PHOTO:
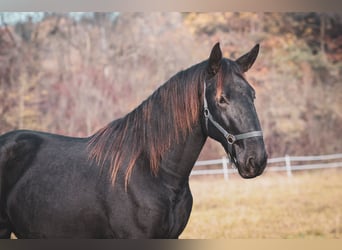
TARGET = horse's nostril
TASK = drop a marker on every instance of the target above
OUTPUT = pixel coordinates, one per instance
(250, 162)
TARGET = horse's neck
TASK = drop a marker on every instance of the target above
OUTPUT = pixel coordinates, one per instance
(177, 164)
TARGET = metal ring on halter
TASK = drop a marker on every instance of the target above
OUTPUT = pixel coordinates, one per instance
(206, 112)
(231, 138)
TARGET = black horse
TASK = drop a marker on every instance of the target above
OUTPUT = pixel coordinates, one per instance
(131, 178)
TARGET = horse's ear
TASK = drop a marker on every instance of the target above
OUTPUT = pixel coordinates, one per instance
(215, 59)
(246, 61)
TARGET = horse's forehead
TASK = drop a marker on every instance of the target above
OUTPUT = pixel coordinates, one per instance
(230, 68)
(233, 78)
(231, 73)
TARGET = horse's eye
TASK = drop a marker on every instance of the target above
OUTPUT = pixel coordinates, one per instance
(223, 99)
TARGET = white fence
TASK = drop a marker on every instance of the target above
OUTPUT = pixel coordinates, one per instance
(286, 164)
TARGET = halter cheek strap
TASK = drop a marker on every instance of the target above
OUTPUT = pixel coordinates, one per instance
(231, 139)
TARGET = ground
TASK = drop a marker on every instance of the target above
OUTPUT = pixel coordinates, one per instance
(306, 205)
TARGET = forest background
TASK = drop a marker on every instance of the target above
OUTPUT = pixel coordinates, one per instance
(72, 76)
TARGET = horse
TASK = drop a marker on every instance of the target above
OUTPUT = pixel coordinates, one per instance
(131, 178)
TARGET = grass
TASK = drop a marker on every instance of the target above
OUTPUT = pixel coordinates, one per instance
(307, 205)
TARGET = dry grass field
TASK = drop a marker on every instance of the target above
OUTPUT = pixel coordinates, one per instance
(307, 205)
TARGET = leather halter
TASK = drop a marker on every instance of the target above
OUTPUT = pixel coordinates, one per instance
(231, 139)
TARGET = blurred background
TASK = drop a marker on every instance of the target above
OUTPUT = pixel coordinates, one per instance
(72, 73)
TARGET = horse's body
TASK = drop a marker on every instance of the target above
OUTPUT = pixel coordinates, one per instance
(51, 190)
(130, 179)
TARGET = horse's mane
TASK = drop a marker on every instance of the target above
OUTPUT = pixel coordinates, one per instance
(166, 117)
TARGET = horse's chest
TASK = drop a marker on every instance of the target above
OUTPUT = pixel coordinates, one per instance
(153, 217)
(180, 213)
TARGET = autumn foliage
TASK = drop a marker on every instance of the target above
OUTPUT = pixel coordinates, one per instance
(73, 77)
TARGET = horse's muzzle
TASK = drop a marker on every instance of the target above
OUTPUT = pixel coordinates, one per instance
(253, 166)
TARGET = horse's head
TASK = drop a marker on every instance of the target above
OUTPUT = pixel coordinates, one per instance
(229, 113)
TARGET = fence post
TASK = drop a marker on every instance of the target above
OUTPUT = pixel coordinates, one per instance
(225, 168)
(288, 165)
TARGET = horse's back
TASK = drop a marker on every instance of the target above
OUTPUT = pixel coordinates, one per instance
(24, 150)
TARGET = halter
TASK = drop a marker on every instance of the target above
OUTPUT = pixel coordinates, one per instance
(231, 139)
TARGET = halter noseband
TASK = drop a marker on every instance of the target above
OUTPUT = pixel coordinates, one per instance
(231, 139)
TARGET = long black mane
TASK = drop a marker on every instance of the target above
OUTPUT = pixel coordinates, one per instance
(164, 118)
